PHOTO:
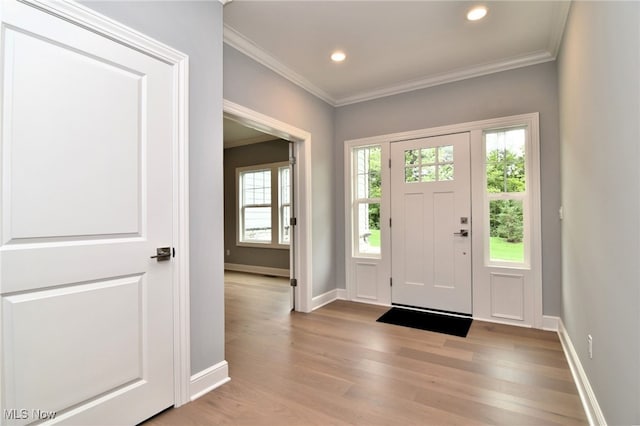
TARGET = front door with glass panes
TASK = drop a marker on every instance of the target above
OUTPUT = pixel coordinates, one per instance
(431, 229)
(410, 217)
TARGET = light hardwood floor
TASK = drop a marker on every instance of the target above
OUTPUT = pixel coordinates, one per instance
(337, 365)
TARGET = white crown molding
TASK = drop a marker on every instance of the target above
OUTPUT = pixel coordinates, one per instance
(225, 1)
(239, 42)
(557, 28)
(449, 77)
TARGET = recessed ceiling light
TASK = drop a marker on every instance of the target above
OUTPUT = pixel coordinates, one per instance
(338, 56)
(477, 13)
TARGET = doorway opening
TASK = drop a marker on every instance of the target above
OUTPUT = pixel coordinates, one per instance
(271, 211)
(257, 202)
(441, 254)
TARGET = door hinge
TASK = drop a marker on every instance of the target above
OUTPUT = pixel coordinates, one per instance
(294, 282)
(389, 162)
(293, 221)
(390, 282)
(173, 251)
(292, 161)
(389, 222)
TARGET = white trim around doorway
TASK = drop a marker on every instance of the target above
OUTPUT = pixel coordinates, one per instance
(481, 290)
(303, 204)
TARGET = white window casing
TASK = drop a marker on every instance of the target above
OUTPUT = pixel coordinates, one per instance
(258, 189)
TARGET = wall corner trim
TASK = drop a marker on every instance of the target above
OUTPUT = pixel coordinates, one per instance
(342, 294)
(587, 396)
(208, 380)
(324, 299)
(550, 323)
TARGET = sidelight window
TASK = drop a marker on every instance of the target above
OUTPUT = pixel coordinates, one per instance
(366, 200)
(507, 195)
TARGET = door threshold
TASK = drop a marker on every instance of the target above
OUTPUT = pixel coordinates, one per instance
(432, 311)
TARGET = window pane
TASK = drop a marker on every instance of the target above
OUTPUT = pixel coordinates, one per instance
(505, 160)
(428, 156)
(411, 156)
(368, 222)
(256, 187)
(445, 154)
(506, 230)
(428, 174)
(445, 172)
(257, 224)
(285, 228)
(368, 172)
(411, 174)
(284, 212)
(285, 185)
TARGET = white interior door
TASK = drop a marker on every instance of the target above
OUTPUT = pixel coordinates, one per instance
(86, 182)
(431, 223)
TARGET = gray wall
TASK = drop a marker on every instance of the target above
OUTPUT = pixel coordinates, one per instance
(249, 155)
(195, 28)
(599, 74)
(524, 90)
(256, 87)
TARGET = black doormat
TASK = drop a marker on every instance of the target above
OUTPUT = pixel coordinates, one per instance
(456, 326)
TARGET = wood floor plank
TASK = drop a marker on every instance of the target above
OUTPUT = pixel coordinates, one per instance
(338, 366)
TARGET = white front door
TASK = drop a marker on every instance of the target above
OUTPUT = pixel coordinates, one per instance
(431, 223)
(86, 182)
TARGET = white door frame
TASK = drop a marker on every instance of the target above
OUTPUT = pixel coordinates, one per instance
(302, 195)
(87, 18)
(481, 300)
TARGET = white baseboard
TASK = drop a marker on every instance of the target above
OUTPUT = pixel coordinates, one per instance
(208, 379)
(501, 321)
(252, 269)
(588, 398)
(550, 323)
(342, 294)
(324, 299)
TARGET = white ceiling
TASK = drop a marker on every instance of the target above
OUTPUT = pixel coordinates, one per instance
(391, 46)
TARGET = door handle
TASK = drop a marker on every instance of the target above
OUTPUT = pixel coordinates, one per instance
(162, 253)
(462, 233)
